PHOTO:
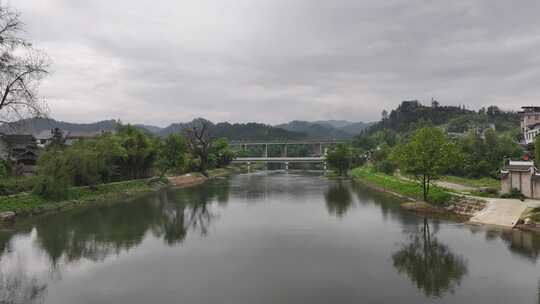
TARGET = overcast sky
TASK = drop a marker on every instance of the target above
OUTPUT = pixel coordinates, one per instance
(163, 61)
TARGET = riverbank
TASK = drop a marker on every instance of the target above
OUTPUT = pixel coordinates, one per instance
(442, 200)
(193, 179)
(403, 188)
(28, 204)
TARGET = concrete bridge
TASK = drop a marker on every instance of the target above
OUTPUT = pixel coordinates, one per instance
(282, 160)
(319, 147)
(319, 144)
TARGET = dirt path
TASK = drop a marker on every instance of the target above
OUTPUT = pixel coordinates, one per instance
(454, 186)
(445, 184)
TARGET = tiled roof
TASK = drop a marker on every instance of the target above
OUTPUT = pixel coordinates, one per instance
(19, 139)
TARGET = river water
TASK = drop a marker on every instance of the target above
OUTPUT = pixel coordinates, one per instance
(268, 237)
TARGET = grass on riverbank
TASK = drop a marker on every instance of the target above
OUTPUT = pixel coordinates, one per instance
(395, 184)
(27, 202)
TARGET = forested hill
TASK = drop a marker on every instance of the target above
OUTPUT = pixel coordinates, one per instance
(239, 131)
(293, 130)
(410, 114)
(326, 128)
(231, 131)
(36, 125)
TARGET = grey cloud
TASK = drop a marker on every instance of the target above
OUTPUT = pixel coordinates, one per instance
(277, 60)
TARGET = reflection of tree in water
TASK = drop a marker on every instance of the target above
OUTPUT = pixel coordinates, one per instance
(338, 199)
(389, 205)
(94, 233)
(429, 264)
(189, 209)
(18, 288)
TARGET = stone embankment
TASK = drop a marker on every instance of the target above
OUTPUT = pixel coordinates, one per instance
(462, 205)
(467, 206)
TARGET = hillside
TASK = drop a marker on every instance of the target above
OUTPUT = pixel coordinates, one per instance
(36, 125)
(341, 129)
(239, 131)
(356, 128)
(410, 114)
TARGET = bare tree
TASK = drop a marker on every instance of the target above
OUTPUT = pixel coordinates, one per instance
(22, 67)
(199, 141)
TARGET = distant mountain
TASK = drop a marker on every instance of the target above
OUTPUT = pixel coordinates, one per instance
(239, 131)
(37, 125)
(340, 129)
(334, 123)
(356, 128)
(314, 130)
(150, 128)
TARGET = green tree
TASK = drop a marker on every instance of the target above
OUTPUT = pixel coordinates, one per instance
(53, 178)
(341, 158)
(426, 156)
(172, 154)
(141, 152)
(221, 154)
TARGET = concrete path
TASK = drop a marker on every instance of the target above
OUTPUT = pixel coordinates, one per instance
(502, 212)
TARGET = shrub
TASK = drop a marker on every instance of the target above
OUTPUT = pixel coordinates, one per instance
(514, 193)
(386, 167)
(439, 197)
(51, 188)
(9, 186)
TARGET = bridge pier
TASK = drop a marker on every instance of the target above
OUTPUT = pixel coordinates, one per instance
(284, 151)
(286, 165)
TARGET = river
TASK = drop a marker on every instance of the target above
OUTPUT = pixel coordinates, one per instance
(268, 237)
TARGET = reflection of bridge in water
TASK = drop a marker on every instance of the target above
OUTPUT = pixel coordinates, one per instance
(319, 147)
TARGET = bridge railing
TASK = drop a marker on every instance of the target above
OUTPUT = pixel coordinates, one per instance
(287, 141)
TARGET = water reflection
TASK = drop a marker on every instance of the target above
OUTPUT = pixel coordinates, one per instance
(16, 287)
(526, 244)
(270, 238)
(98, 232)
(338, 199)
(429, 264)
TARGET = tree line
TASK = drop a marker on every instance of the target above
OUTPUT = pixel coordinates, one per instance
(422, 143)
(129, 153)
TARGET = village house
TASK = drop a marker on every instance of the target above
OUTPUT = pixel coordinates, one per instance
(45, 137)
(22, 150)
(72, 137)
(530, 124)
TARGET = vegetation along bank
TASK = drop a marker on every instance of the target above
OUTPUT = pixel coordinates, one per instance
(119, 164)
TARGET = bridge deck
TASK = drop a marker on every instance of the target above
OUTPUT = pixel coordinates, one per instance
(285, 142)
(280, 159)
